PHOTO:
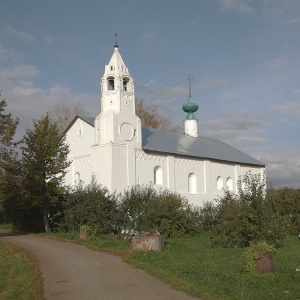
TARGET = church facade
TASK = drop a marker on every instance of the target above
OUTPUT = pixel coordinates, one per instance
(114, 150)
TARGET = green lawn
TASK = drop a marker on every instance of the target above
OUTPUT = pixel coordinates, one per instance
(192, 265)
(19, 274)
(215, 273)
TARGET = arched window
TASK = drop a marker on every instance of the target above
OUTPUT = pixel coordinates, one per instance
(125, 82)
(111, 68)
(220, 184)
(192, 183)
(229, 184)
(110, 83)
(158, 175)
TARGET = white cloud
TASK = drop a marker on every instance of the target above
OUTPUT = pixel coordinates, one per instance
(59, 90)
(241, 6)
(239, 93)
(166, 93)
(19, 34)
(274, 63)
(51, 39)
(296, 92)
(20, 72)
(27, 101)
(237, 127)
(235, 121)
(291, 108)
(274, 8)
(150, 34)
(210, 84)
(4, 54)
(293, 21)
(283, 167)
(7, 55)
(171, 93)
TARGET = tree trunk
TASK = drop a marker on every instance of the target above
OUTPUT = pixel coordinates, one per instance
(46, 221)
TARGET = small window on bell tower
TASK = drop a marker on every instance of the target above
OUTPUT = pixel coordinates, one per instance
(125, 83)
(110, 83)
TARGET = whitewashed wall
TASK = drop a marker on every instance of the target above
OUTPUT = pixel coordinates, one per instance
(176, 171)
(80, 137)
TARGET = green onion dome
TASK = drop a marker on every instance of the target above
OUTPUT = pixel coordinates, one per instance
(190, 107)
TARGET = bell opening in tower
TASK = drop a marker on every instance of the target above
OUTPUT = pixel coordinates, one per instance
(110, 83)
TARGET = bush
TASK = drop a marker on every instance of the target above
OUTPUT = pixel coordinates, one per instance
(247, 217)
(252, 253)
(92, 230)
(207, 215)
(144, 208)
(91, 206)
(171, 215)
(285, 202)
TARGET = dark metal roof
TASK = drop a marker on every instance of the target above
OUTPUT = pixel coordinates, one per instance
(89, 120)
(182, 144)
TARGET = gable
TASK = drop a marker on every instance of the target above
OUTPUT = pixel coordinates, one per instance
(80, 136)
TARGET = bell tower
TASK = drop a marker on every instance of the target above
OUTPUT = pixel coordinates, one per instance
(117, 122)
(118, 131)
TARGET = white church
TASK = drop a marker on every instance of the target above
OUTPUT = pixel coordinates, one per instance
(117, 152)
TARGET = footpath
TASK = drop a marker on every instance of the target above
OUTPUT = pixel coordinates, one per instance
(74, 272)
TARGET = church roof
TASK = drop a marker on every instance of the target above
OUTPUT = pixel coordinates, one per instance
(183, 144)
(88, 120)
(198, 147)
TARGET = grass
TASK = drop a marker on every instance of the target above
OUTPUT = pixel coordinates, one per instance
(105, 243)
(216, 273)
(6, 226)
(19, 274)
(192, 265)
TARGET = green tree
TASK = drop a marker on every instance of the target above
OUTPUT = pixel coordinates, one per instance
(44, 160)
(9, 166)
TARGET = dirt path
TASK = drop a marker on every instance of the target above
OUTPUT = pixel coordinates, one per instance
(74, 272)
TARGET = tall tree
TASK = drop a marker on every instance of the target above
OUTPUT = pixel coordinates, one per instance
(63, 112)
(8, 155)
(150, 117)
(44, 157)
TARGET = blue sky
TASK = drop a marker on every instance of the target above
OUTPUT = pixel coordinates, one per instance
(244, 56)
